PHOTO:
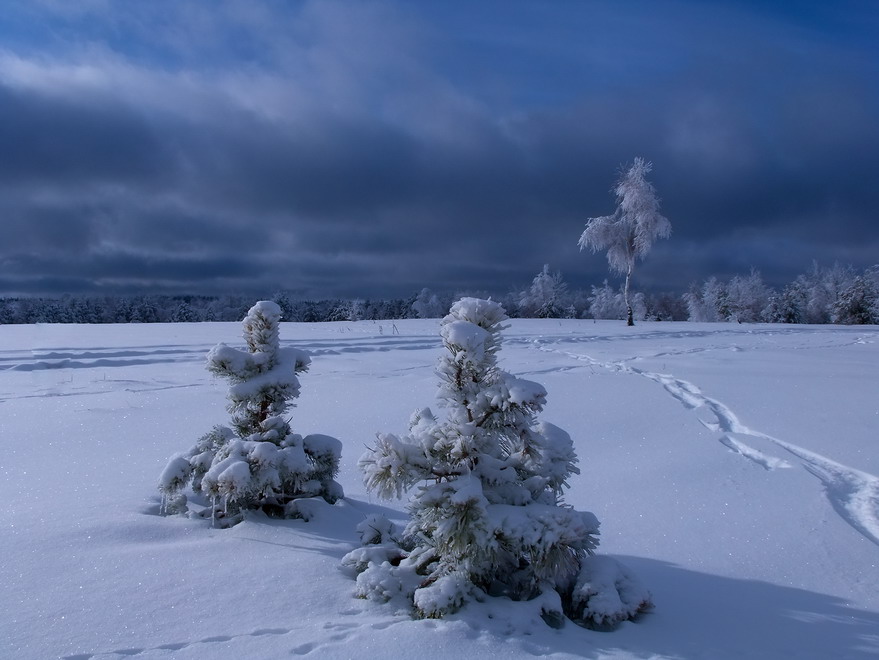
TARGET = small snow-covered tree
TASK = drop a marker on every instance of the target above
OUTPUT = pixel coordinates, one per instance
(7, 313)
(486, 516)
(665, 307)
(427, 305)
(858, 303)
(284, 302)
(184, 313)
(823, 286)
(871, 274)
(356, 310)
(546, 298)
(258, 463)
(605, 303)
(747, 298)
(144, 310)
(708, 303)
(789, 306)
(629, 233)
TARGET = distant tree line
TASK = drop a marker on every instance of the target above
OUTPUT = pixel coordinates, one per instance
(192, 309)
(835, 294)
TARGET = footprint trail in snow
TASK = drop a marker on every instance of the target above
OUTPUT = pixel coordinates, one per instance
(852, 493)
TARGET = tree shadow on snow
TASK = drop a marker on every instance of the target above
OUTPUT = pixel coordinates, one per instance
(698, 615)
(328, 529)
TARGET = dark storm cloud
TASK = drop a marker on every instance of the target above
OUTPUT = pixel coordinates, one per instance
(32, 229)
(129, 273)
(72, 143)
(385, 168)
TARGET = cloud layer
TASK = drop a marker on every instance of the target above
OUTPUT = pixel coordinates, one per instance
(375, 148)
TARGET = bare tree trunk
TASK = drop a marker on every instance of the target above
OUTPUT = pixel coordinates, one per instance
(629, 319)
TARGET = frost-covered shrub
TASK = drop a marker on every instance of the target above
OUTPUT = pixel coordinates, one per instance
(486, 514)
(258, 463)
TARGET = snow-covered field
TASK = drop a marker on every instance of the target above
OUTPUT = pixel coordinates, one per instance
(733, 467)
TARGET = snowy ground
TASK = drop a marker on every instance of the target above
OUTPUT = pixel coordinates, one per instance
(733, 468)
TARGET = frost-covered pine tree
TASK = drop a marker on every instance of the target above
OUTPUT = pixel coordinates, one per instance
(258, 463)
(486, 515)
(628, 233)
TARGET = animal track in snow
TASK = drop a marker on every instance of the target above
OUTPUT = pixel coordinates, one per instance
(73, 358)
(852, 493)
(724, 334)
(62, 358)
(344, 634)
(178, 646)
(755, 455)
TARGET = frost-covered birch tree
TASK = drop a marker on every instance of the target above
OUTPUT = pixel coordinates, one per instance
(628, 233)
(258, 463)
(486, 515)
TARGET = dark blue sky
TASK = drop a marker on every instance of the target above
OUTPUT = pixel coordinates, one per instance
(373, 148)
